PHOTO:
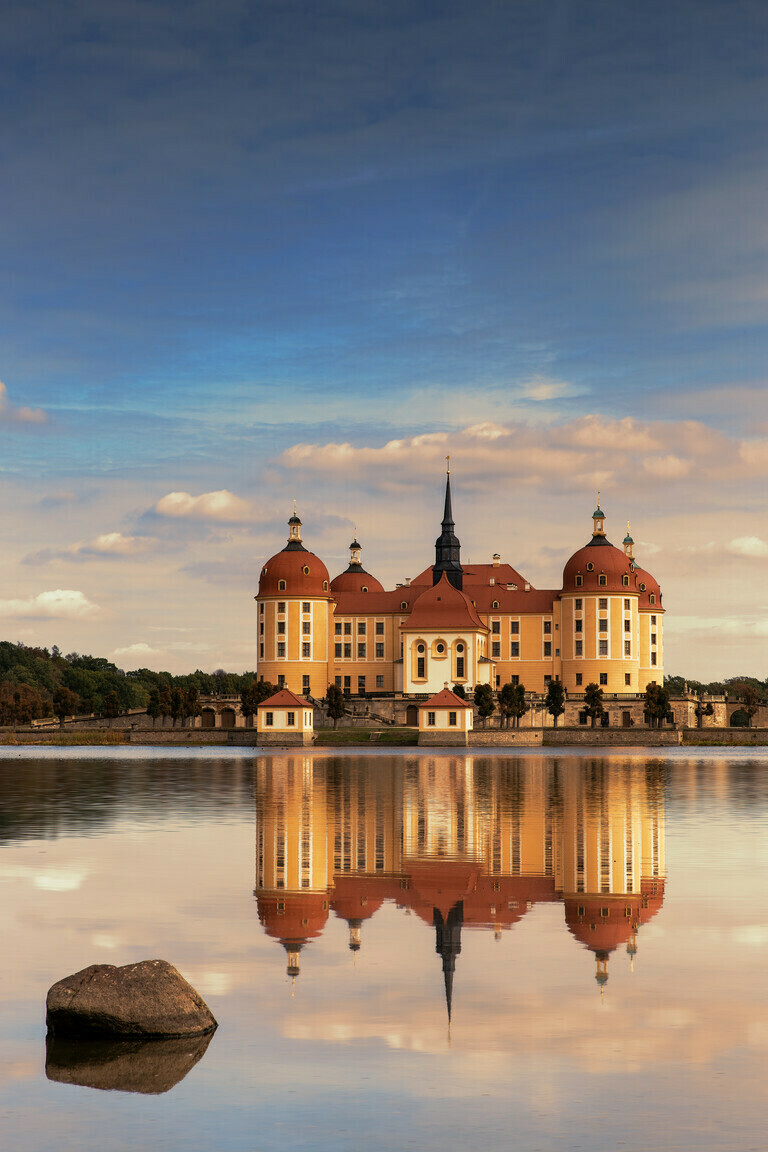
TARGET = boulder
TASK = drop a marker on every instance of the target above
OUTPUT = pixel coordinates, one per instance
(130, 1065)
(146, 999)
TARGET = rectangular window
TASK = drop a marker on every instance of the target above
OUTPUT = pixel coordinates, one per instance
(514, 648)
(452, 720)
(578, 679)
(514, 680)
(337, 651)
(261, 628)
(459, 667)
(305, 606)
(627, 647)
(361, 651)
(347, 685)
(603, 604)
(379, 681)
(514, 627)
(338, 681)
(547, 679)
(281, 681)
(306, 627)
(579, 625)
(653, 659)
(496, 627)
(579, 648)
(361, 627)
(579, 605)
(627, 625)
(420, 668)
(281, 605)
(347, 651)
(379, 651)
(430, 719)
(579, 581)
(305, 684)
(337, 627)
(547, 647)
(627, 680)
(603, 624)
(281, 649)
(291, 719)
(261, 609)
(347, 627)
(361, 685)
(653, 637)
(306, 651)
(496, 649)
(269, 719)
(626, 605)
(547, 627)
(379, 627)
(281, 628)
(603, 648)
(653, 621)
(603, 677)
(261, 651)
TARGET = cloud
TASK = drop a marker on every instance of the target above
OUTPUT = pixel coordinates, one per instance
(137, 651)
(9, 413)
(750, 546)
(57, 499)
(222, 505)
(60, 604)
(110, 545)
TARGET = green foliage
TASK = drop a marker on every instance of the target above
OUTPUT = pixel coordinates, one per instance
(252, 694)
(334, 701)
(460, 691)
(657, 704)
(484, 702)
(555, 700)
(512, 703)
(593, 701)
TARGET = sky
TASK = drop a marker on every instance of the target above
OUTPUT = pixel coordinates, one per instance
(254, 252)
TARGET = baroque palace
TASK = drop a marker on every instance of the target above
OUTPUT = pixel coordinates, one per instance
(459, 624)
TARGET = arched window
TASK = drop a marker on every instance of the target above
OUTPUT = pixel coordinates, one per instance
(403, 604)
(495, 604)
(281, 585)
(364, 588)
(579, 581)
(325, 585)
(602, 581)
(625, 581)
(652, 597)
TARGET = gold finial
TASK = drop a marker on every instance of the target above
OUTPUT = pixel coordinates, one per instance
(598, 497)
(294, 505)
(355, 533)
(627, 527)
(448, 465)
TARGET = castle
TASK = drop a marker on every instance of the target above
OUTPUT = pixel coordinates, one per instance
(459, 624)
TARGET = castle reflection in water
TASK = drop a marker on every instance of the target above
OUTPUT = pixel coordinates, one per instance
(463, 842)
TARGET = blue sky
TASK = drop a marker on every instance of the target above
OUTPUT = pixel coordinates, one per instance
(230, 230)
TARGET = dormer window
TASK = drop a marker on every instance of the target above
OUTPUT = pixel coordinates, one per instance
(590, 567)
(602, 581)
(305, 570)
(625, 581)
(652, 597)
(403, 605)
(495, 604)
(642, 587)
(325, 585)
(364, 588)
(579, 581)
(281, 585)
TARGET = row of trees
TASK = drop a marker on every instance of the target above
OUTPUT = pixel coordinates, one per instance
(513, 704)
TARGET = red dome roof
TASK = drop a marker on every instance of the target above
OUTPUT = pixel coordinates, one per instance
(442, 606)
(358, 581)
(303, 572)
(293, 917)
(651, 586)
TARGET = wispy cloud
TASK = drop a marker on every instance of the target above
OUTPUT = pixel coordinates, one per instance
(60, 604)
(10, 413)
(222, 505)
(110, 545)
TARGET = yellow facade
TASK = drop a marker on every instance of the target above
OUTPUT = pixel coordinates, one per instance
(602, 626)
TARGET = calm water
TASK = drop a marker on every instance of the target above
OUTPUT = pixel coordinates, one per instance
(434, 951)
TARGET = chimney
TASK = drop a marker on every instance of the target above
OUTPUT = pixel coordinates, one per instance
(496, 560)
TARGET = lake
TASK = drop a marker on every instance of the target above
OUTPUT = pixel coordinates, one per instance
(402, 950)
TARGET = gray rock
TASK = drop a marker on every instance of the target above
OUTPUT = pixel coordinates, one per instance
(131, 1065)
(146, 999)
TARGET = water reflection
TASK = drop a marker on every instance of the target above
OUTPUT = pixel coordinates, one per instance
(463, 843)
(150, 1067)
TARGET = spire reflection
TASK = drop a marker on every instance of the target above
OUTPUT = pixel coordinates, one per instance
(463, 842)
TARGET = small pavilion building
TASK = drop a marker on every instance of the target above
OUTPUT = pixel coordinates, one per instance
(285, 719)
(445, 719)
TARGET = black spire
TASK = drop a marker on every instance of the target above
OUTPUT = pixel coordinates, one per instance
(448, 945)
(447, 545)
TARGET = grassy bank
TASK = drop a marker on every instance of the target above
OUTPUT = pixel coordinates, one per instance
(330, 737)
